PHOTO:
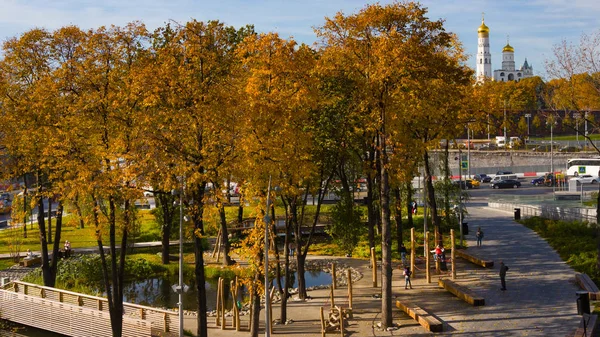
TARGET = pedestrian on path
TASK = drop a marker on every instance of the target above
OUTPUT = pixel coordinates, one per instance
(503, 269)
(407, 274)
(479, 236)
(403, 252)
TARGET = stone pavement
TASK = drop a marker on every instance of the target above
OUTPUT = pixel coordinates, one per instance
(540, 300)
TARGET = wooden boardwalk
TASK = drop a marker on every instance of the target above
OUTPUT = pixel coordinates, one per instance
(74, 314)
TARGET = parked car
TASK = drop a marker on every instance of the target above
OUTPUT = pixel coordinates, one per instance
(472, 183)
(508, 183)
(538, 181)
(482, 178)
(569, 149)
(488, 147)
(499, 173)
(586, 179)
(463, 184)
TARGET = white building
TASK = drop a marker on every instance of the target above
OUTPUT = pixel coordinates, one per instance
(508, 72)
(484, 57)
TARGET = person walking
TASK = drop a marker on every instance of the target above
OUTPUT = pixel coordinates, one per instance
(479, 236)
(503, 269)
(407, 274)
(403, 252)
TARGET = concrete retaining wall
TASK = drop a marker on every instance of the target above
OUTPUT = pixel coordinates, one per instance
(550, 212)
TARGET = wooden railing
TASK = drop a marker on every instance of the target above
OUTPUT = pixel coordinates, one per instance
(136, 317)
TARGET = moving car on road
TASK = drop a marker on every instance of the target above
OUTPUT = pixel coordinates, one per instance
(586, 179)
(472, 183)
(483, 178)
(538, 181)
(506, 183)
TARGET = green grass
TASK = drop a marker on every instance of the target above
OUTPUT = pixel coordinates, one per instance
(575, 242)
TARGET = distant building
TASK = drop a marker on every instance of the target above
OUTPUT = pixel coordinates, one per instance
(508, 72)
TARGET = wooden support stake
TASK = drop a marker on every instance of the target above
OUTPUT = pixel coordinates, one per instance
(216, 243)
(60, 297)
(374, 267)
(223, 321)
(341, 321)
(237, 310)
(412, 251)
(142, 315)
(166, 321)
(233, 297)
(99, 305)
(271, 307)
(322, 323)
(42, 293)
(452, 254)
(333, 278)
(427, 272)
(331, 298)
(218, 316)
(349, 271)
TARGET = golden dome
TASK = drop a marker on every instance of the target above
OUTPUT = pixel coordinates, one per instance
(508, 48)
(483, 29)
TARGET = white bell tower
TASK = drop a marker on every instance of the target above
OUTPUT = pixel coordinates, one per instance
(484, 58)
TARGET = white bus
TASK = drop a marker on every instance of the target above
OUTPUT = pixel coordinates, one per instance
(579, 166)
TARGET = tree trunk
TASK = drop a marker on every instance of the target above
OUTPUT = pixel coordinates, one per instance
(224, 236)
(25, 207)
(276, 250)
(398, 218)
(49, 220)
(46, 275)
(79, 212)
(597, 226)
(371, 218)
(431, 197)
(448, 176)
(286, 267)
(197, 215)
(255, 319)
(168, 214)
(409, 197)
(386, 235)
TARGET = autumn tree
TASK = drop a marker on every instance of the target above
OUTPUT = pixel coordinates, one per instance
(193, 104)
(408, 77)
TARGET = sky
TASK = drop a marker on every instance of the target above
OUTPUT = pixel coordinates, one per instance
(533, 26)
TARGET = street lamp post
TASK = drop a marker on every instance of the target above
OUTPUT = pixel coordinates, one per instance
(267, 303)
(505, 140)
(181, 260)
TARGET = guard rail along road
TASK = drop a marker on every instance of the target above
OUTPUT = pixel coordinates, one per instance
(549, 211)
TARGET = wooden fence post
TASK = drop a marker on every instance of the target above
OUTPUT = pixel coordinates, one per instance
(349, 272)
(222, 283)
(374, 267)
(218, 316)
(322, 323)
(412, 251)
(333, 278)
(452, 254)
(427, 272)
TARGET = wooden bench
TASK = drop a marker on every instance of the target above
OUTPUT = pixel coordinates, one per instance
(590, 330)
(463, 254)
(427, 320)
(31, 262)
(586, 283)
(461, 292)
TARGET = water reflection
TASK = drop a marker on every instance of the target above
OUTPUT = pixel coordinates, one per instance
(157, 292)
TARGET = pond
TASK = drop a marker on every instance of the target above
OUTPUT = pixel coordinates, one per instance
(157, 292)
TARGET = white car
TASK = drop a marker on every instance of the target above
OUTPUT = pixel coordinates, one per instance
(586, 179)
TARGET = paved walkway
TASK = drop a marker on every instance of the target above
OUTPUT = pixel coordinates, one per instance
(540, 300)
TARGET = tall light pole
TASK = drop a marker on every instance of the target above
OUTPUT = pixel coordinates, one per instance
(267, 304)
(179, 288)
(181, 258)
(468, 153)
(505, 140)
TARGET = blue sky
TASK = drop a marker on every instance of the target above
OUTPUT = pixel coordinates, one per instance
(534, 26)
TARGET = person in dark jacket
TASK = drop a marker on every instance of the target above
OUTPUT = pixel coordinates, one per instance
(503, 269)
